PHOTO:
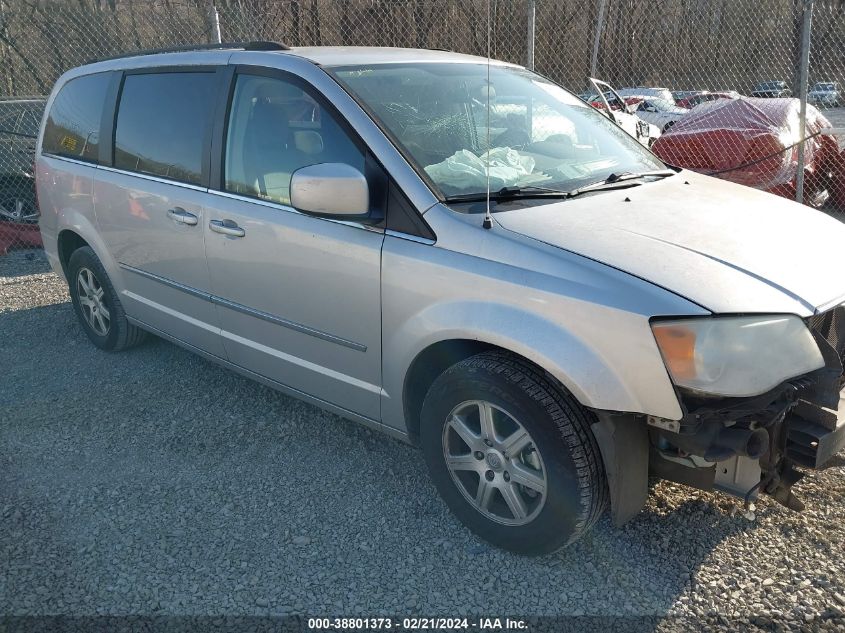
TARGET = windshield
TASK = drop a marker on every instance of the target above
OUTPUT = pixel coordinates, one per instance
(540, 134)
(823, 87)
(770, 85)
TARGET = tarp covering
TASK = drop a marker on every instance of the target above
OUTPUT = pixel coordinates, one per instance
(837, 181)
(746, 140)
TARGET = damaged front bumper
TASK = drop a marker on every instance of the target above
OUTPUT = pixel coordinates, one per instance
(741, 446)
(813, 440)
(745, 446)
(817, 422)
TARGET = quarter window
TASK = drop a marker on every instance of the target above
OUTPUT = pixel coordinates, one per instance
(73, 125)
(276, 127)
(162, 124)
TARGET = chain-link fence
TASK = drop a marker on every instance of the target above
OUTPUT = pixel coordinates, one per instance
(703, 53)
(19, 121)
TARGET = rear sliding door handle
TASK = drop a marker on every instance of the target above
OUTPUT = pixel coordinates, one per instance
(226, 227)
(178, 214)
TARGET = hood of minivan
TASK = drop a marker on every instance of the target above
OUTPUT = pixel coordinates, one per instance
(726, 247)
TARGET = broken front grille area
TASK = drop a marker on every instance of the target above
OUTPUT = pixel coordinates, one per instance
(830, 326)
(816, 428)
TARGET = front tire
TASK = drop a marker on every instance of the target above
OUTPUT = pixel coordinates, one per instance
(512, 454)
(97, 305)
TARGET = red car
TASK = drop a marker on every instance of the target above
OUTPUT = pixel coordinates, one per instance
(754, 142)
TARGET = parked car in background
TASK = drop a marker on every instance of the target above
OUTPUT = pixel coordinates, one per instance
(691, 98)
(656, 111)
(19, 121)
(825, 94)
(726, 94)
(772, 90)
(552, 314)
(610, 103)
(642, 91)
(677, 95)
(595, 99)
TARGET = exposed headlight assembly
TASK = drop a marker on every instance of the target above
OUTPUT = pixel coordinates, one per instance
(736, 356)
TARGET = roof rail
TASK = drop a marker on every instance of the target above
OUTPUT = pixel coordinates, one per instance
(247, 46)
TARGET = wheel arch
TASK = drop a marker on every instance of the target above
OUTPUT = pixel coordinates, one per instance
(75, 229)
(420, 348)
(424, 370)
(436, 357)
(67, 242)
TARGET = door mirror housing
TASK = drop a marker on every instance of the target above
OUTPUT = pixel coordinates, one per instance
(333, 190)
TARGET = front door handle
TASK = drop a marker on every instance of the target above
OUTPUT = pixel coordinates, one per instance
(226, 227)
(178, 214)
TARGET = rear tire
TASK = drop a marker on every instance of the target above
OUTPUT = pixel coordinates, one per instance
(555, 469)
(97, 305)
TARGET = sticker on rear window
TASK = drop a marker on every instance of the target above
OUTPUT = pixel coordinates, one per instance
(69, 143)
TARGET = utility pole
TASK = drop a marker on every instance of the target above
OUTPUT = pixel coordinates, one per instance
(532, 22)
(214, 22)
(594, 60)
(804, 76)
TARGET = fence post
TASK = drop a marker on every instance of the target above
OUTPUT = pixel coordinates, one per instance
(532, 17)
(803, 79)
(594, 60)
(214, 22)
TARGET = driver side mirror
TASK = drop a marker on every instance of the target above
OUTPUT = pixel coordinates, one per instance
(331, 190)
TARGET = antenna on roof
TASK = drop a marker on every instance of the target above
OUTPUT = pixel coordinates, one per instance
(488, 218)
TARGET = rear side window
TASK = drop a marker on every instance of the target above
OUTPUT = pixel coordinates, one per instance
(73, 125)
(162, 124)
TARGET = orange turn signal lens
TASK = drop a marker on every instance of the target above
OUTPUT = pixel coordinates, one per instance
(677, 344)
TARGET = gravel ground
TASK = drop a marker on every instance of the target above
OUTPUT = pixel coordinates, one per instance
(155, 483)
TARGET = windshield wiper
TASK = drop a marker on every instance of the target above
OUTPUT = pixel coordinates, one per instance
(622, 179)
(510, 193)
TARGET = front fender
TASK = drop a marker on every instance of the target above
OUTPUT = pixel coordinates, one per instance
(545, 343)
(583, 322)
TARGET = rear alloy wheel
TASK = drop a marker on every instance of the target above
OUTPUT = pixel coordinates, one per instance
(97, 305)
(512, 454)
(91, 300)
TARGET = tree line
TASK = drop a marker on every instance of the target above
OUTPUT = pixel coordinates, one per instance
(679, 44)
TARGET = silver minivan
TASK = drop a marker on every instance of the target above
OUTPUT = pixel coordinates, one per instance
(318, 219)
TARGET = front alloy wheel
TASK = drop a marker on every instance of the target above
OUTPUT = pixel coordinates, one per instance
(494, 462)
(512, 453)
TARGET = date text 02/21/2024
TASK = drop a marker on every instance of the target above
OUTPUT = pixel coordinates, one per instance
(416, 623)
